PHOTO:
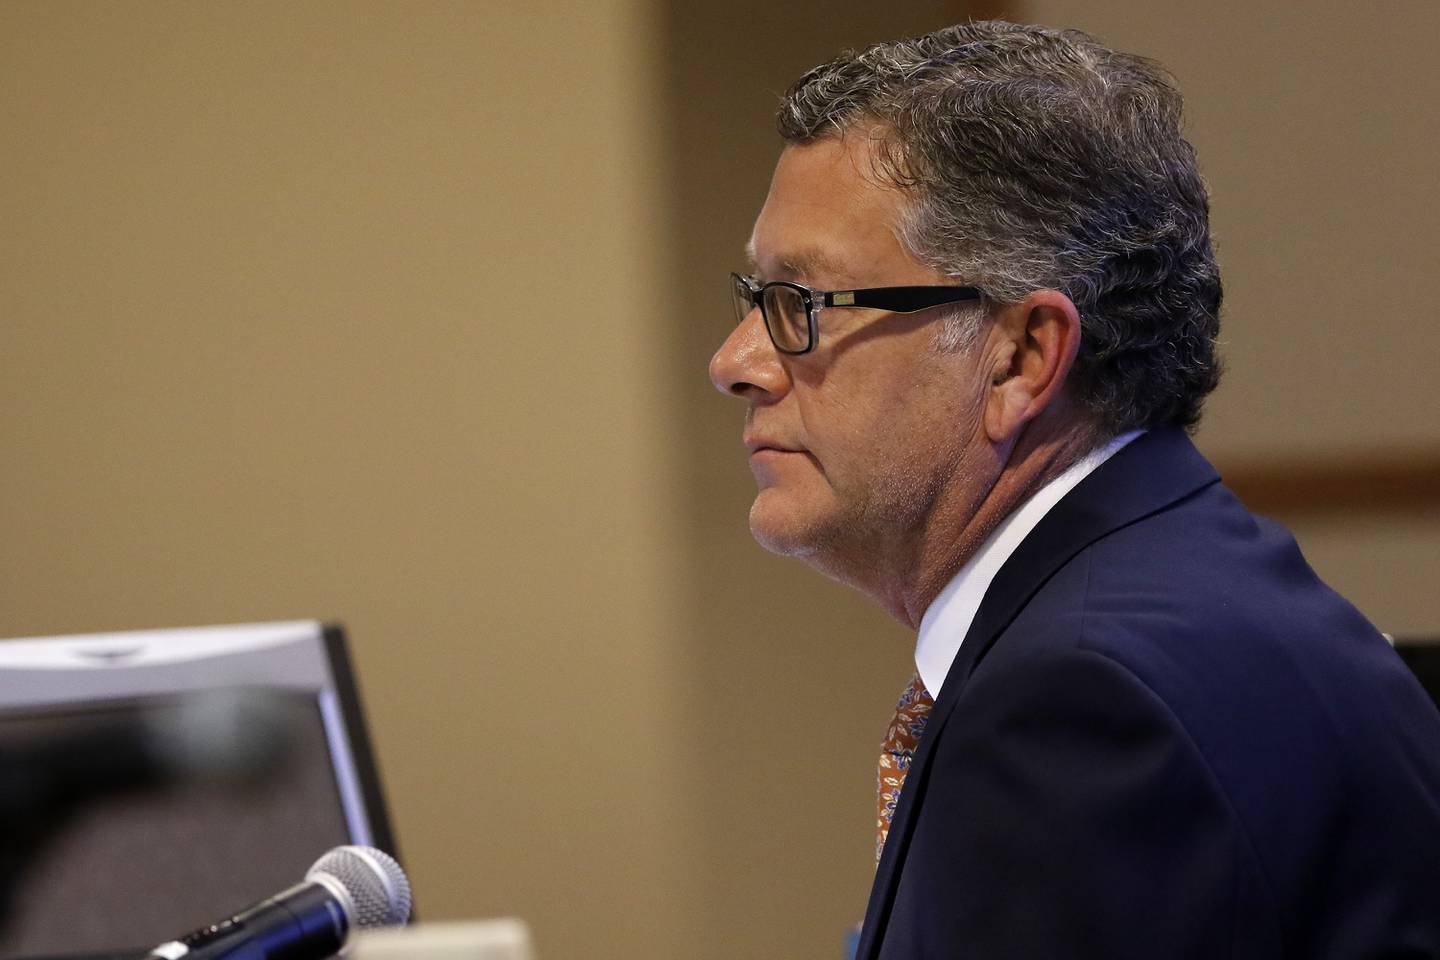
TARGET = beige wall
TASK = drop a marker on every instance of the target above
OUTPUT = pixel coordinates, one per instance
(399, 313)
(349, 310)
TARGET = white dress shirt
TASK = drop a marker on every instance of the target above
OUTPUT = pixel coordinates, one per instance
(948, 619)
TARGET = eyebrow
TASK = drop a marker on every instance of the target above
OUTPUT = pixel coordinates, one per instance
(806, 263)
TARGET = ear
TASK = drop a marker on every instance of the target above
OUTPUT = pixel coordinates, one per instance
(1039, 338)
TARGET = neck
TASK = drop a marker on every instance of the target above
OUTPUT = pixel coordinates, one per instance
(907, 576)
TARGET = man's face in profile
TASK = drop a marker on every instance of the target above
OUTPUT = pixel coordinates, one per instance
(850, 444)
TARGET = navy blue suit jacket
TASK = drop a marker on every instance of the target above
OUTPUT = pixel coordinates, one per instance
(1164, 738)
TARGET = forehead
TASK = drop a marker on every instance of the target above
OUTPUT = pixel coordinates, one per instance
(828, 216)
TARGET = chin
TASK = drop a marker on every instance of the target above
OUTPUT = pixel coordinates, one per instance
(783, 530)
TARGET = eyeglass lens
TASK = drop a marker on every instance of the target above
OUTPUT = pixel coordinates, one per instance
(784, 311)
(787, 318)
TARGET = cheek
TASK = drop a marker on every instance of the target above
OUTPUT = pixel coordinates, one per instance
(863, 442)
(924, 426)
(874, 414)
(842, 428)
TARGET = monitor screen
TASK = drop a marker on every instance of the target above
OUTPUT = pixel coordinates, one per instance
(1422, 654)
(195, 786)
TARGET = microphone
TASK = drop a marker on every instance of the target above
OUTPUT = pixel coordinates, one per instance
(348, 887)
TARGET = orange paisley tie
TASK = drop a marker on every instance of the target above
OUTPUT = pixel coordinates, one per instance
(901, 739)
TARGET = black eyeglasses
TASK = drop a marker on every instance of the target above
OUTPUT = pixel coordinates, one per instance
(789, 308)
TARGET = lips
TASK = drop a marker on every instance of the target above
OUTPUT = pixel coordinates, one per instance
(754, 444)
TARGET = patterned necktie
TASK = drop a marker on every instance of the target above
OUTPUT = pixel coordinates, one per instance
(901, 739)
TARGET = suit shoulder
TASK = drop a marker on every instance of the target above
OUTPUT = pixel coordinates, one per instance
(1314, 730)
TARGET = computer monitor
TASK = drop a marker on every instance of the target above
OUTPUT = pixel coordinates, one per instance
(152, 782)
(1422, 654)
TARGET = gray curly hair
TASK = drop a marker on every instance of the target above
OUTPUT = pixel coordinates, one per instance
(1037, 158)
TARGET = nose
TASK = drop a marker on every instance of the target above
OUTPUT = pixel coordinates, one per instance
(747, 363)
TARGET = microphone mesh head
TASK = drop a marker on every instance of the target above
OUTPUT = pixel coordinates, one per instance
(375, 882)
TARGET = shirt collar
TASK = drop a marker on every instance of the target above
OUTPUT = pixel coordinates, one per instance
(948, 619)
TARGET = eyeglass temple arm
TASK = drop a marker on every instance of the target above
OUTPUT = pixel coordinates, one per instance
(900, 299)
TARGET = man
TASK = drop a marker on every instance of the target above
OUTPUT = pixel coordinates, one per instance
(982, 316)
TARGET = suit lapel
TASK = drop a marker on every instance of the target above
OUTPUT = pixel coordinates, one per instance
(1151, 473)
